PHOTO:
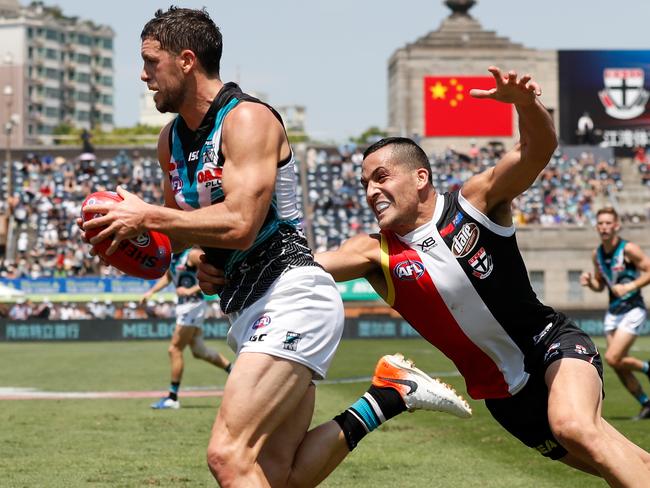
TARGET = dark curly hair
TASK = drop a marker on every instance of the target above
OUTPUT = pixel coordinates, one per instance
(183, 28)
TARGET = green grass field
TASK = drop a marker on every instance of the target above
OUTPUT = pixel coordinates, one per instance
(123, 443)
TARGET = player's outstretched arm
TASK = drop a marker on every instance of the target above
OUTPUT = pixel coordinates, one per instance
(161, 283)
(519, 168)
(357, 257)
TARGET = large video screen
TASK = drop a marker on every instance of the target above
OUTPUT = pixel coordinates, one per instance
(612, 88)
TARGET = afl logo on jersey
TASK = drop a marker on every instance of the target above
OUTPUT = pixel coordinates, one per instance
(408, 270)
(177, 184)
(142, 240)
(465, 240)
(263, 321)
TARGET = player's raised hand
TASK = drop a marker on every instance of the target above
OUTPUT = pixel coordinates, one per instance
(122, 220)
(510, 88)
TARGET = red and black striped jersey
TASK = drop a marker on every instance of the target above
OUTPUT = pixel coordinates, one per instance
(461, 282)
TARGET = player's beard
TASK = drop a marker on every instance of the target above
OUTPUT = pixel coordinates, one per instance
(170, 100)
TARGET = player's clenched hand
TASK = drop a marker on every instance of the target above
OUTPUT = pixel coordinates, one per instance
(122, 220)
(510, 88)
(585, 278)
(621, 289)
(211, 279)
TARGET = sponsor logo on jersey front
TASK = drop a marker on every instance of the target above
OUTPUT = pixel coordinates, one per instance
(481, 264)
(465, 240)
(193, 156)
(263, 321)
(210, 177)
(142, 240)
(408, 270)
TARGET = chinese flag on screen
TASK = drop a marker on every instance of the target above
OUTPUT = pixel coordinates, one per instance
(449, 110)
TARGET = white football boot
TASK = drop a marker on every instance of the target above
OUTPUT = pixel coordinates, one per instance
(419, 390)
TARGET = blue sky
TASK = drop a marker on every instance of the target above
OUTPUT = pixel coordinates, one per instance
(331, 56)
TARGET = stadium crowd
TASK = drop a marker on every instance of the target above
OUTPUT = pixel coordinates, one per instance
(642, 162)
(25, 309)
(48, 193)
(46, 201)
(565, 192)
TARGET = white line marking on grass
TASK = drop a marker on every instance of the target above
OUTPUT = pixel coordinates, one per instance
(34, 394)
(22, 393)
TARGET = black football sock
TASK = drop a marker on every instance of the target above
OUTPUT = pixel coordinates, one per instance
(374, 408)
(173, 390)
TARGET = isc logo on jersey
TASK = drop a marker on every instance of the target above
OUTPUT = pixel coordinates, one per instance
(408, 270)
(465, 240)
(210, 177)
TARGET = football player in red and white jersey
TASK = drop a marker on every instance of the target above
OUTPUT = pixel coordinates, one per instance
(449, 263)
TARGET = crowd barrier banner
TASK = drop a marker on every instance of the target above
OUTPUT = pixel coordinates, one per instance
(363, 327)
(85, 289)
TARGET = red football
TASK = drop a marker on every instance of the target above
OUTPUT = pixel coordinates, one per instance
(147, 256)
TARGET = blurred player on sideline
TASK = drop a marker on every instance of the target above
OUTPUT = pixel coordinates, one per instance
(190, 313)
(230, 187)
(450, 265)
(624, 269)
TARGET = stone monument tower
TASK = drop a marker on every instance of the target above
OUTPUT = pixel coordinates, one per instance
(460, 47)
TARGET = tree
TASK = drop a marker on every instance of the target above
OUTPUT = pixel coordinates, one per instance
(369, 136)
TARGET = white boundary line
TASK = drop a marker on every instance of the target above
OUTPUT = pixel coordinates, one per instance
(18, 393)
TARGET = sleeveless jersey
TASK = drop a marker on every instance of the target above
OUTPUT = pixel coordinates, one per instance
(461, 282)
(184, 275)
(195, 170)
(616, 270)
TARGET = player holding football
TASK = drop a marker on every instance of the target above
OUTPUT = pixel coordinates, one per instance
(190, 314)
(624, 269)
(449, 263)
(230, 188)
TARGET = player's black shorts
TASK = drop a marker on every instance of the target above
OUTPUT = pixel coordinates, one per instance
(524, 415)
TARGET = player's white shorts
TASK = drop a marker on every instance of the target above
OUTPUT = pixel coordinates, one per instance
(299, 318)
(191, 314)
(630, 321)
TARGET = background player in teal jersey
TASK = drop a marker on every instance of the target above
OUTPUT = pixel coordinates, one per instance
(190, 313)
(623, 268)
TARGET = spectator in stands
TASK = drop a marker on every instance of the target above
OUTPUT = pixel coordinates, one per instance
(585, 130)
(21, 310)
(43, 310)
